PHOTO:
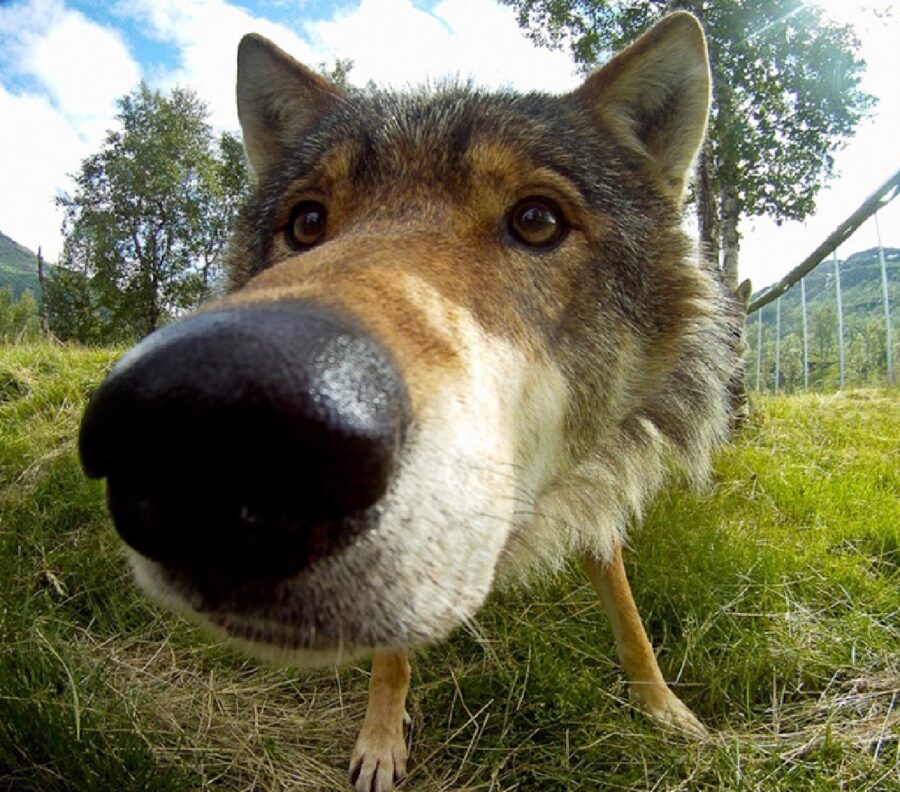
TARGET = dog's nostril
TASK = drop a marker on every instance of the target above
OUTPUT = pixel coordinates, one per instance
(239, 431)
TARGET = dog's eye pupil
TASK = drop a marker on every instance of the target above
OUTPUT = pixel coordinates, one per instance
(537, 222)
(307, 225)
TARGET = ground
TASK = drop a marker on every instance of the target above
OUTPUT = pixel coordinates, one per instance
(773, 600)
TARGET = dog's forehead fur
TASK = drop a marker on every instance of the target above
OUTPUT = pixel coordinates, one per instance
(390, 147)
(398, 133)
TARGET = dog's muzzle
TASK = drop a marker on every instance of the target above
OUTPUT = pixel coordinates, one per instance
(240, 445)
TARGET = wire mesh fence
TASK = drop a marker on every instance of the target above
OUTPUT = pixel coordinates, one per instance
(831, 323)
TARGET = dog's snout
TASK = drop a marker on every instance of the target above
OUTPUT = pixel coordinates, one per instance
(248, 440)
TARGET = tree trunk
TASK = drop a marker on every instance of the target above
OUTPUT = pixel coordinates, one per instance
(737, 389)
(154, 266)
(153, 310)
(45, 312)
(726, 180)
(152, 317)
(730, 237)
(707, 206)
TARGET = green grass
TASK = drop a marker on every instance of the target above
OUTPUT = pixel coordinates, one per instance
(773, 600)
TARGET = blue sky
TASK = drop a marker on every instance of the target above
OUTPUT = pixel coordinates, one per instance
(63, 63)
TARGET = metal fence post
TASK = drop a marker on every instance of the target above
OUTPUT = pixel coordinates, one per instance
(759, 329)
(805, 335)
(777, 343)
(840, 310)
(887, 306)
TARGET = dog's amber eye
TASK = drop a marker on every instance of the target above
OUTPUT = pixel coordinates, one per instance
(537, 222)
(307, 225)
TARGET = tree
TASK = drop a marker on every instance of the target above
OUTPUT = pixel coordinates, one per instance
(19, 318)
(74, 311)
(785, 98)
(42, 284)
(148, 221)
(823, 342)
(225, 186)
(338, 73)
(866, 348)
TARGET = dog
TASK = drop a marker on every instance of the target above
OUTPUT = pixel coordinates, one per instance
(465, 337)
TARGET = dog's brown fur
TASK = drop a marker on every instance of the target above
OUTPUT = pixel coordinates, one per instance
(551, 388)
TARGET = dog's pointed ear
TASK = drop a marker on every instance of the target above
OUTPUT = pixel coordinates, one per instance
(278, 100)
(655, 96)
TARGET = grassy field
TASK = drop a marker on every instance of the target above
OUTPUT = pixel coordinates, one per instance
(773, 600)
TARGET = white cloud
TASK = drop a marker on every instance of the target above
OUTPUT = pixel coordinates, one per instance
(393, 42)
(389, 41)
(207, 33)
(82, 67)
(499, 51)
(77, 69)
(37, 148)
(85, 68)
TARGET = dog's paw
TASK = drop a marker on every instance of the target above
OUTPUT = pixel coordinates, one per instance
(671, 712)
(378, 763)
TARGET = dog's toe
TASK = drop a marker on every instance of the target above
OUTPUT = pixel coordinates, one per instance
(671, 712)
(378, 763)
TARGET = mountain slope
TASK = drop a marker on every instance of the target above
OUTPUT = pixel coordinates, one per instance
(18, 266)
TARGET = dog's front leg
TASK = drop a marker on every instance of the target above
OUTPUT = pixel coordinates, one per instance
(648, 687)
(378, 763)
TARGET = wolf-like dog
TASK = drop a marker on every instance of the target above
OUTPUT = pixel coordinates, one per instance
(465, 336)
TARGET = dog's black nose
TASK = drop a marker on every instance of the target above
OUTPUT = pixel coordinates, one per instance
(243, 443)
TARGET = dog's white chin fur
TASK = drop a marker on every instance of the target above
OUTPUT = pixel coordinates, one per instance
(460, 493)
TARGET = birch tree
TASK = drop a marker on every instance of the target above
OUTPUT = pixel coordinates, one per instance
(148, 220)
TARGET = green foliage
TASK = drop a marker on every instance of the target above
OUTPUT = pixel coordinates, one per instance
(794, 100)
(75, 310)
(338, 73)
(19, 320)
(226, 183)
(148, 221)
(772, 600)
